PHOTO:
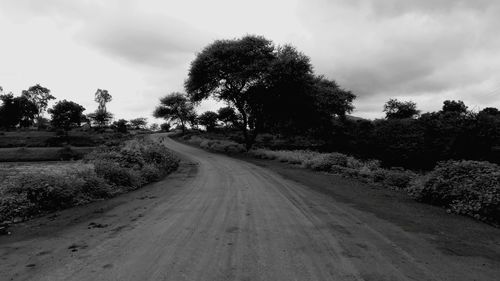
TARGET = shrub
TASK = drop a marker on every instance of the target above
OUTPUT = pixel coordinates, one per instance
(354, 163)
(398, 179)
(47, 190)
(159, 156)
(216, 145)
(150, 173)
(95, 187)
(465, 187)
(324, 162)
(117, 175)
(262, 154)
(14, 206)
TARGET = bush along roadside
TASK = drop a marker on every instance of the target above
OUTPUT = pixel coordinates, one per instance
(224, 146)
(470, 188)
(367, 171)
(112, 170)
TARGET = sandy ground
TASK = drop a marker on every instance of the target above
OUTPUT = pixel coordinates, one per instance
(221, 218)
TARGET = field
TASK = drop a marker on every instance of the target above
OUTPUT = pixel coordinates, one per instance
(8, 170)
(18, 154)
(54, 139)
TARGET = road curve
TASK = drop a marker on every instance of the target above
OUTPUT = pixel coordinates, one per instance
(225, 219)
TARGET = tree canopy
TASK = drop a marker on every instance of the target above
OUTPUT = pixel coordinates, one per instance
(139, 123)
(102, 97)
(16, 111)
(395, 109)
(208, 119)
(227, 115)
(176, 108)
(451, 106)
(271, 87)
(66, 114)
(40, 96)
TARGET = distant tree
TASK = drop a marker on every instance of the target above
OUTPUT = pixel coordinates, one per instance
(66, 114)
(488, 131)
(176, 108)
(9, 112)
(102, 97)
(395, 109)
(208, 119)
(154, 127)
(451, 106)
(165, 127)
(120, 125)
(490, 111)
(16, 111)
(227, 115)
(139, 123)
(100, 118)
(40, 96)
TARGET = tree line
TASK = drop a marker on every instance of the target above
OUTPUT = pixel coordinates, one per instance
(409, 139)
(28, 109)
(273, 89)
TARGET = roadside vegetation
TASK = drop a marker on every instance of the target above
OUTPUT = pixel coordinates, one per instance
(105, 172)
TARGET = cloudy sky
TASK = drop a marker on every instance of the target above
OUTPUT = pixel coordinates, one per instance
(422, 50)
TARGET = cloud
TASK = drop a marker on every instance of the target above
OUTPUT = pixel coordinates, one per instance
(406, 48)
(123, 29)
(154, 41)
(425, 51)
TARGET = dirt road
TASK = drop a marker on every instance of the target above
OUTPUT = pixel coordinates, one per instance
(220, 218)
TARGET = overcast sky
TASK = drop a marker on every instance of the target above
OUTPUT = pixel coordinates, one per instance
(422, 50)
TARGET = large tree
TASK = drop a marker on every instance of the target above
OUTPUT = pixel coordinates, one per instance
(176, 108)
(66, 114)
(272, 88)
(227, 70)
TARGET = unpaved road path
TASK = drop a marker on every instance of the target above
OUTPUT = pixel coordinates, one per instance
(220, 218)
